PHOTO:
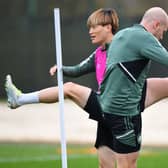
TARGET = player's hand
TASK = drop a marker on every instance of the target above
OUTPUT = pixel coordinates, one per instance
(53, 70)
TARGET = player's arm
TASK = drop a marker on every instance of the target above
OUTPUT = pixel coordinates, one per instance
(84, 67)
(154, 50)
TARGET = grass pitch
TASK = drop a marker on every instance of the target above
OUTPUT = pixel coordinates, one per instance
(83, 156)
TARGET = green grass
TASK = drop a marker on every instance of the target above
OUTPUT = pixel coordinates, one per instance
(44, 156)
(83, 156)
(153, 158)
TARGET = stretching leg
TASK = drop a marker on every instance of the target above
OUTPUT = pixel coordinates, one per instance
(79, 94)
(157, 89)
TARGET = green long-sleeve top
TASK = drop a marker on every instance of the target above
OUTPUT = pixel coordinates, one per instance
(84, 67)
(128, 62)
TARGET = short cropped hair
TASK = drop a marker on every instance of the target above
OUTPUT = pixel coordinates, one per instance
(104, 16)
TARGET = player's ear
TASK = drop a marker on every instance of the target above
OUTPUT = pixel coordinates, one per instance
(109, 27)
(156, 24)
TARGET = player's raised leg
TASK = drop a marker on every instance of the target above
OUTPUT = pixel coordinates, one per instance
(157, 89)
(79, 94)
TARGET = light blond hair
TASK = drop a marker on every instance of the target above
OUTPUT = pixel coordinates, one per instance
(104, 17)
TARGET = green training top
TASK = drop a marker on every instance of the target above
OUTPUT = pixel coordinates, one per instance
(84, 67)
(128, 62)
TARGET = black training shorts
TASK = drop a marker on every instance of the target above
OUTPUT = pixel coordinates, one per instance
(120, 133)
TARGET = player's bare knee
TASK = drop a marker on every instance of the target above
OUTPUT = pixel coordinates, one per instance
(68, 88)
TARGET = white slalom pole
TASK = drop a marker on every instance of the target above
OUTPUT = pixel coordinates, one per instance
(60, 84)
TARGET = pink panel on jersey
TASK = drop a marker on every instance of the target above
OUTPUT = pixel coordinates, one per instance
(100, 61)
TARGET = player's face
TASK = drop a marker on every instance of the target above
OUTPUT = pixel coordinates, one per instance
(99, 34)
